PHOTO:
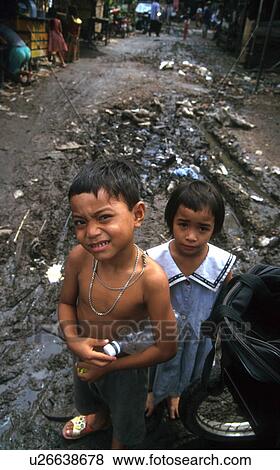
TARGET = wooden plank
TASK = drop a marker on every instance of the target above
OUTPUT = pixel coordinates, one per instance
(39, 53)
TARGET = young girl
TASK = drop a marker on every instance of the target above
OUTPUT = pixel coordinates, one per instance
(74, 29)
(196, 271)
(57, 45)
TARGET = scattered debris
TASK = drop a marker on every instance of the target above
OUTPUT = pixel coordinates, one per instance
(4, 108)
(188, 172)
(264, 241)
(222, 169)
(18, 193)
(275, 170)
(226, 117)
(69, 146)
(166, 64)
(256, 198)
(21, 225)
(54, 273)
(5, 232)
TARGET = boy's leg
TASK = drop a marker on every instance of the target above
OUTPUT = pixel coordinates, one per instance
(90, 405)
(125, 393)
(98, 421)
(117, 445)
(150, 405)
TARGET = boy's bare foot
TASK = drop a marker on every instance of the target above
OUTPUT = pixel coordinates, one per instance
(82, 425)
(150, 406)
(173, 407)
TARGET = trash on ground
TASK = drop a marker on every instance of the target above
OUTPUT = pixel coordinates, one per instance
(54, 273)
(166, 64)
(5, 232)
(18, 193)
(256, 198)
(69, 146)
(264, 241)
(4, 108)
(187, 172)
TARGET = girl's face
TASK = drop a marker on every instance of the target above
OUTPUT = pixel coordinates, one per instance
(192, 230)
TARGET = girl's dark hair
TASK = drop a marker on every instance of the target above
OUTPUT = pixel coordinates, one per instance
(116, 176)
(196, 195)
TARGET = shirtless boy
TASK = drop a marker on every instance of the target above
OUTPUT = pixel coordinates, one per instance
(109, 284)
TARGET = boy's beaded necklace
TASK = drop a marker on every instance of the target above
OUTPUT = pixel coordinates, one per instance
(122, 289)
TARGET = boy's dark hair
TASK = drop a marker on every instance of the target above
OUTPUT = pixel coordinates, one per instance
(116, 176)
(196, 195)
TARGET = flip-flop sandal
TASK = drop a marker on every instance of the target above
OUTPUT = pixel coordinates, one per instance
(80, 428)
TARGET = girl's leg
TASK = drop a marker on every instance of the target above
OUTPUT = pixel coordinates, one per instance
(173, 407)
(61, 58)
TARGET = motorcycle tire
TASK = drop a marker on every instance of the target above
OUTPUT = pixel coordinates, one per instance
(214, 417)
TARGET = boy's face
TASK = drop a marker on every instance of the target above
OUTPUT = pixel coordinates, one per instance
(192, 230)
(104, 225)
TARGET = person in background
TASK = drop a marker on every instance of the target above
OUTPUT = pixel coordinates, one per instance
(57, 45)
(155, 23)
(196, 271)
(198, 16)
(73, 34)
(187, 20)
(169, 11)
(18, 54)
(206, 19)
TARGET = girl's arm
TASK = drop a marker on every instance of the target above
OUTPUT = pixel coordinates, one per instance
(228, 278)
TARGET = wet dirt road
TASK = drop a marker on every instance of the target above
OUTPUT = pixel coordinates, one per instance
(117, 101)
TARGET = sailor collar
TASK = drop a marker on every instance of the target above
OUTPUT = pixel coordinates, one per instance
(210, 274)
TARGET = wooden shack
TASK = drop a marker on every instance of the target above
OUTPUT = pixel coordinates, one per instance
(28, 19)
(246, 27)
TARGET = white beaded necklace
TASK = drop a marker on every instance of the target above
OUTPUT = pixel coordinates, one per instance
(122, 289)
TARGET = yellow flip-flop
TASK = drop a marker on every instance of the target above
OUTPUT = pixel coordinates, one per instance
(80, 428)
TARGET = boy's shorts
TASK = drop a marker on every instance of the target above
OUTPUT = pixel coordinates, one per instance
(124, 394)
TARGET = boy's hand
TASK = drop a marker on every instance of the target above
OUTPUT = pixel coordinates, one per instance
(89, 350)
(89, 372)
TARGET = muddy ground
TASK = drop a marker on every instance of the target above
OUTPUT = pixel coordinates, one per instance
(117, 101)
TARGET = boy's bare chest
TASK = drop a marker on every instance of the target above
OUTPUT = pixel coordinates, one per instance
(101, 303)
